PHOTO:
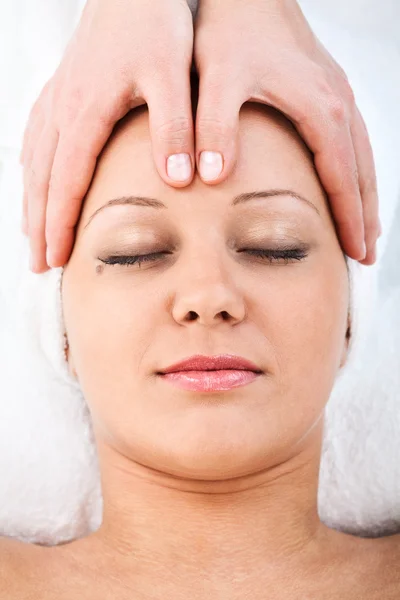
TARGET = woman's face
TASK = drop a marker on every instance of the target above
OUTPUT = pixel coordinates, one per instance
(205, 291)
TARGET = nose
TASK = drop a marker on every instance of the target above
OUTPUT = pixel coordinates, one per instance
(209, 298)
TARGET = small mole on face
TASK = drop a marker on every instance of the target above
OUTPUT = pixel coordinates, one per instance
(99, 269)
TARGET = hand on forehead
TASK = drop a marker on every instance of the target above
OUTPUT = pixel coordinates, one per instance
(272, 157)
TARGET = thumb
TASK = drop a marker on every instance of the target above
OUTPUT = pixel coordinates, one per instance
(217, 129)
(171, 130)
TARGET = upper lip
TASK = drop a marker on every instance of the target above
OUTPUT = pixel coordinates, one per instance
(200, 362)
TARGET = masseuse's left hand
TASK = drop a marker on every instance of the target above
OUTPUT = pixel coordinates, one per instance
(265, 51)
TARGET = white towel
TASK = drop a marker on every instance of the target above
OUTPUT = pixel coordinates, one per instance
(50, 487)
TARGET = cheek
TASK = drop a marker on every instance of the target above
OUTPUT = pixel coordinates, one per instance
(306, 322)
(107, 332)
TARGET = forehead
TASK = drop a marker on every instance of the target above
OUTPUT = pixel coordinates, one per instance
(271, 154)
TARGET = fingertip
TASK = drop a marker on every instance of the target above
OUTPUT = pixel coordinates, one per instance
(55, 261)
(38, 264)
(59, 248)
(358, 253)
(172, 135)
(371, 256)
(50, 258)
(352, 239)
(217, 129)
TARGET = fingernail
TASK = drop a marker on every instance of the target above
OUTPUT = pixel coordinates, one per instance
(211, 164)
(179, 167)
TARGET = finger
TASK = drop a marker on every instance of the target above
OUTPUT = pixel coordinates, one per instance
(72, 171)
(217, 128)
(368, 185)
(334, 158)
(33, 124)
(31, 137)
(171, 130)
(37, 192)
(32, 130)
(326, 130)
(322, 119)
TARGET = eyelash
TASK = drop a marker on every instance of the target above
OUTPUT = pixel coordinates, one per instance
(289, 255)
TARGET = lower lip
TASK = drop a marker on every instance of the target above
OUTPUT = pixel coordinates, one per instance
(210, 381)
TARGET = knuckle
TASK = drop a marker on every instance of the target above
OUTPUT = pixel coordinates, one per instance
(215, 128)
(335, 102)
(337, 108)
(106, 115)
(174, 132)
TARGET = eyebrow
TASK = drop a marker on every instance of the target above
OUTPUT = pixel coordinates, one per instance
(240, 199)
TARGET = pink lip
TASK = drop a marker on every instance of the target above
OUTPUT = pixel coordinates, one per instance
(213, 363)
(210, 381)
(211, 373)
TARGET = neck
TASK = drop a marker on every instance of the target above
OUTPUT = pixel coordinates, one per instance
(183, 527)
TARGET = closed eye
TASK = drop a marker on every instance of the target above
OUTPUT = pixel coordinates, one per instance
(287, 255)
(133, 259)
(271, 255)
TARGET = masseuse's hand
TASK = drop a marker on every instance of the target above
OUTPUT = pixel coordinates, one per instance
(265, 51)
(124, 53)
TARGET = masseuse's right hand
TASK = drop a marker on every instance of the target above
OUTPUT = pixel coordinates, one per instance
(123, 54)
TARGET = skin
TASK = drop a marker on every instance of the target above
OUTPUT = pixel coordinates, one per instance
(218, 488)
